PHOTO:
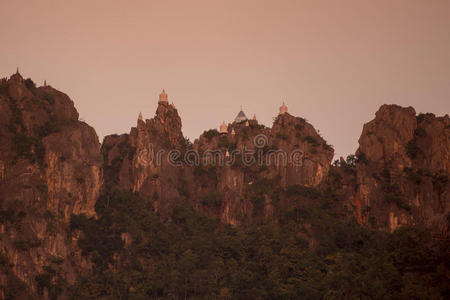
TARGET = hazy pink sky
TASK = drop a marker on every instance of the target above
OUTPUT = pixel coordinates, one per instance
(333, 62)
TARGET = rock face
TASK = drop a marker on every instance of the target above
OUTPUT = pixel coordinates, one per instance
(204, 174)
(290, 153)
(50, 168)
(290, 134)
(403, 169)
(139, 161)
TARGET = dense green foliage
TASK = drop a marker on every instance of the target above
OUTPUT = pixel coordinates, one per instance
(29, 147)
(25, 146)
(49, 127)
(209, 134)
(412, 149)
(309, 254)
(420, 132)
(29, 83)
(313, 141)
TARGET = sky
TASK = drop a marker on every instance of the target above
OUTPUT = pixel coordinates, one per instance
(333, 62)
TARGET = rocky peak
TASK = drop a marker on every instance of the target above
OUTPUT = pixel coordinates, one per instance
(166, 110)
(294, 133)
(16, 78)
(167, 122)
(386, 137)
(131, 159)
(50, 169)
(430, 149)
(240, 185)
(403, 169)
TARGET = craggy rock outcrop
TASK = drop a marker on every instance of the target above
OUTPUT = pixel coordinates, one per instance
(218, 184)
(290, 153)
(139, 161)
(220, 188)
(402, 170)
(50, 168)
(290, 134)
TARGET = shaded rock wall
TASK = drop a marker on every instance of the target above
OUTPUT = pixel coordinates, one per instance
(218, 188)
(51, 167)
(402, 175)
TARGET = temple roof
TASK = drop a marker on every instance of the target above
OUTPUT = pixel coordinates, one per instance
(283, 109)
(240, 117)
(163, 97)
(223, 128)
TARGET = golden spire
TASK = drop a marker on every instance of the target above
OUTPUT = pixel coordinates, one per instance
(163, 97)
(223, 128)
(283, 109)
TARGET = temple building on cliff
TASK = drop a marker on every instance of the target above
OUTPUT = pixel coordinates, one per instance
(163, 98)
(223, 128)
(240, 117)
(283, 109)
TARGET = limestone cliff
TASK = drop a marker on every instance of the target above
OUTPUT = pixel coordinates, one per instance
(156, 161)
(403, 169)
(289, 153)
(138, 161)
(50, 168)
